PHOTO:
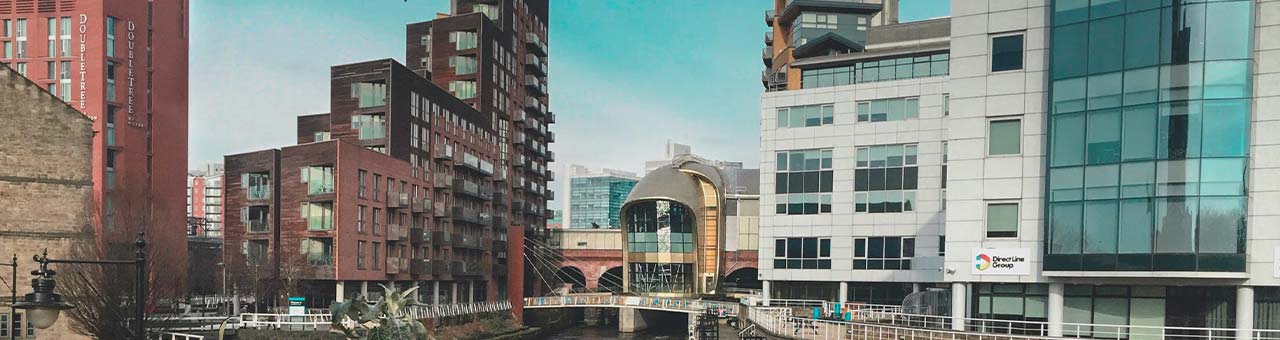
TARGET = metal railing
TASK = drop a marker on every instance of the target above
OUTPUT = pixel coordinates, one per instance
(440, 311)
(312, 322)
(669, 304)
(174, 336)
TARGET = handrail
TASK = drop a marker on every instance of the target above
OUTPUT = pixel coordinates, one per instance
(677, 304)
(175, 336)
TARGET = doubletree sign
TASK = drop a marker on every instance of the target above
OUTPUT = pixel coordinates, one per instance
(1012, 261)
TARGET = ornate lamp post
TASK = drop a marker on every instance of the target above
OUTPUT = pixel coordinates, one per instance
(43, 304)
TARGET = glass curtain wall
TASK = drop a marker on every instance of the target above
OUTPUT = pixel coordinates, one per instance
(1149, 133)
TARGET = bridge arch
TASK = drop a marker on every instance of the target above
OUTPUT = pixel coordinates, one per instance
(611, 279)
(572, 276)
(745, 277)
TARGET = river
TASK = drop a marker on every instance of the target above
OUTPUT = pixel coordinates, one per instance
(609, 332)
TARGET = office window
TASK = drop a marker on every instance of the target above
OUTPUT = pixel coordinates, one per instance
(806, 116)
(360, 251)
(885, 179)
(803, 182)
(6, 28)
(942, 245)
(22, 38)
(895, 68)
(53, 37)
(8, 50)
(802, 253)
(946, 105)
(648, 218)
(22, 69)
(111, 81)
(319, 215)
(887, 252)
(1002, 220)
(886, 110)
(1004, 137)
(52, 69)
(65, 80)
(317, 251)
(65, 36)
(1006, 53)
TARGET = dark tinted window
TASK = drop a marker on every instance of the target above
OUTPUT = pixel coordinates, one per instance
(1006, 53)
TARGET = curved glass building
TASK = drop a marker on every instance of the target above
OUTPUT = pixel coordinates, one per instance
(1148, 136)
(671, 221)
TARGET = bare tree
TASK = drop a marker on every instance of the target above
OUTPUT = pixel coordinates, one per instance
(104, 295)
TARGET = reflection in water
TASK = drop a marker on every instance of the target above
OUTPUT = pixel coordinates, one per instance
(611, 332)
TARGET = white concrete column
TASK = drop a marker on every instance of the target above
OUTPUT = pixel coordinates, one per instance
(471, 296)
(1055, 309)
(364, 289)
(915, 287)
(435, 292)
(1244, 313)
(958, 297)
(844, 292)
(765, 292)
(340, 292)
(235, 301)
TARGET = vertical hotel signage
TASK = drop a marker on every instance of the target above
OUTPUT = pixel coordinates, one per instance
(1009, 261)
(84, 27)
(130, 58)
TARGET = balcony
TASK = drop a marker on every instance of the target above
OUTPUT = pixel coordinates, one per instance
(441, 180)
(259, 192)
(442, 151)
(473, 189)
(259, 226)
(551, 156)
(768, 38)
(551, 137)
(500, 197)
(551, 117)
(534, 65)
(766, 54)
(459, 268)
(467, 161)
(550, 175)
(499, 244)
(440, 210)
(440, 238)
(395, 265)
(535, 44)
(395, 232)
(534, 107)
(551, 195)
(419, 267)
(548, 213)
(535, 86)
(500, 222)
(397, 201)
(418, 235)
(421, 205)
(768, 17)
(467, 241)
(469, 215)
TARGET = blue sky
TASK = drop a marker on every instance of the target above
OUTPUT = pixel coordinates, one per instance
(625, 76)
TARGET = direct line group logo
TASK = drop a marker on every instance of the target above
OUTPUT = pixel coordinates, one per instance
(982, 261)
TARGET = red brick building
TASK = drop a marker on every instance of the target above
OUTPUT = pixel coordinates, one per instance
(123, 63)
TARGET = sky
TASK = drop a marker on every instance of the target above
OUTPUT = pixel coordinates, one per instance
(625, 76)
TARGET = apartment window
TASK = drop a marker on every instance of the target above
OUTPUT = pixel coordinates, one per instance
(257, 185)
(942, 246)
(463, 89)
(370, 126)
(1004, 137)
(318, 251)
(360, 182)
(803, 182)
(377, 255)
(490, 11)
(319, 215)
(1002, 220)
(53, 37)
(255, 252)
(1006, 53)
(885, 179)
(65, 36)
(318, 178)
(806, 116)
(369, 94)
(802, 253)
(376, 180)
(360, 251)
(111, 81)
(111, 37)
(887, 110)
(890, 252)
(22, 38)
(377, 227)
(462, 64)
(321, 136)
(360, 219)
(463, 40)
(257, 218)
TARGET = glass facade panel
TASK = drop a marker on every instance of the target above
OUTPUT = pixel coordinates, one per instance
(919, 66)
(1148, 137)
(1005, 137)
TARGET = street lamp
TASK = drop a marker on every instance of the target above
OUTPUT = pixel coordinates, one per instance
(43, 304)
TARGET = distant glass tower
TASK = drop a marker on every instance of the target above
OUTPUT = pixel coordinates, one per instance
(596, 197)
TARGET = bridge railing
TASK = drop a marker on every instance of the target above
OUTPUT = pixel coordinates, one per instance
(440, 311)
(314, 322)
(174, 336)
(677, 304)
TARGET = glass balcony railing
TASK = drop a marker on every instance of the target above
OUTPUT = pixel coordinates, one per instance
(259, 192)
